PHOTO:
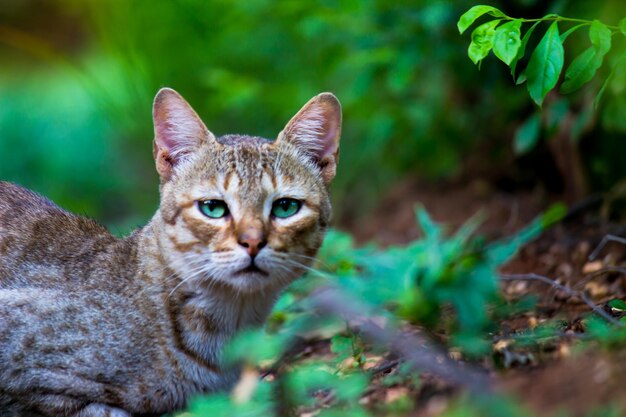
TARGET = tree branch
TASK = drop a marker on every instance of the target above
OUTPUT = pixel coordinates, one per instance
(412, 348)
(572, 293)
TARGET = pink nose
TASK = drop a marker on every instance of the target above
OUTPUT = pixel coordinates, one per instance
(253, 241)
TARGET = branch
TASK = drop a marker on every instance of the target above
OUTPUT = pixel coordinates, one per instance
(412, 348)
(572, 293)
(605, 240)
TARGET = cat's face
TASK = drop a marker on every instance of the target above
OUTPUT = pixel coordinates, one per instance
(243, 211)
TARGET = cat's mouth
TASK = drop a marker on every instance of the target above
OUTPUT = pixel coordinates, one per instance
(253, 269)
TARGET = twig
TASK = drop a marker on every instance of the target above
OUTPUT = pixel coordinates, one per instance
(605, 240)
(555, 335)
(599, 272)
(572, 293)
(413, 349)
(384, 367)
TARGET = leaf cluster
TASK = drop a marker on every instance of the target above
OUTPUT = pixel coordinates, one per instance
(503, 35)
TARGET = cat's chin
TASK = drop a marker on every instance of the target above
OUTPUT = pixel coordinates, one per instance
(253, 269)
(250, 281)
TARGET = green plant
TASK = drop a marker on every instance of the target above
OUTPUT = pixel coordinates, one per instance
(441, 282)
(503, 35)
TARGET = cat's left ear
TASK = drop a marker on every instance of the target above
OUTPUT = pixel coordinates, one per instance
(178, 131)
(315, 130)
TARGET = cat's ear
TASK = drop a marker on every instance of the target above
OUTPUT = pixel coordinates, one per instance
(178, 131)
(315, 130)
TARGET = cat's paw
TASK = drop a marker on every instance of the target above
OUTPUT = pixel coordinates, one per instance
(101, 410)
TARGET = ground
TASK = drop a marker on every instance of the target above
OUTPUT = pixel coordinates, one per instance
(564, 373)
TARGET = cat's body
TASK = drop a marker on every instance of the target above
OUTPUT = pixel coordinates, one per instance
(93, 325)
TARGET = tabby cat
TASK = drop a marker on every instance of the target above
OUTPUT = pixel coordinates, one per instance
(93, 325)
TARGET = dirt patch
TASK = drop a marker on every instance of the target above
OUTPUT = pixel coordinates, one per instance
(393, 222)
(579, 383)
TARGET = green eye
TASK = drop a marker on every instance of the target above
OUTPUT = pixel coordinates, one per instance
(214, 209)
(285, 207)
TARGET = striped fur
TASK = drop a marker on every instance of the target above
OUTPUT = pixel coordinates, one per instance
(93, 325)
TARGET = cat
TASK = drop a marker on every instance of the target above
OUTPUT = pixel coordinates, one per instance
(93, 325)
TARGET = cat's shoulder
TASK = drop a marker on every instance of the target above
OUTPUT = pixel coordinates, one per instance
(20, 208)
(14, 196)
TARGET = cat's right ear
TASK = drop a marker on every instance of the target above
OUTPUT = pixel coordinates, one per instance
(178, 131)
(315, 131)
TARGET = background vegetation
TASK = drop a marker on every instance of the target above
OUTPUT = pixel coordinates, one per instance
(77, 79)
(76, 84)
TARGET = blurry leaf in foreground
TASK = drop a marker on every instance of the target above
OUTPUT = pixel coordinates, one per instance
(254, 346)
(622, 26)
(617, 304)
(307, 379)
(554, 214)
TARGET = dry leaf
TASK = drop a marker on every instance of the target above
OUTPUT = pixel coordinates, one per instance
(565, 270)
(591, 267)
(595, 289)
(372, 362)
(500, 345)
(246, 386)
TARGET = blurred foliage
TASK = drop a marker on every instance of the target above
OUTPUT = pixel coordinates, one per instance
(447, 284)
(76, 84)
(77, 79)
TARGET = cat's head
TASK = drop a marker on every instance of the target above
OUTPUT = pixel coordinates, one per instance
(242, 211)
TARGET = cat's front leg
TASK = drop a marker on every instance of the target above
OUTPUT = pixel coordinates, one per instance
(101, 410)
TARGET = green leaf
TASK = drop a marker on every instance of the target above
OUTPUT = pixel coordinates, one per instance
(470, 16)
(545, 65)
(253, 346)
(600, 36)
(506, 41)
(581, 70)
(431, 229)
(618, 63)
(584, 67)
(596, 101)
(341, 346)
(527, 134)
(482, 41)
(554, 214)
(522, 50)
(622, 26)
(617, 304)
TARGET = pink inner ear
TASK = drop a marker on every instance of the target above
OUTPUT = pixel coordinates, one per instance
(316, 129)
(178, 129)
(169, 138)
(330, 139)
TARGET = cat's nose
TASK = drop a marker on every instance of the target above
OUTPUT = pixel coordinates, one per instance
(253, 241)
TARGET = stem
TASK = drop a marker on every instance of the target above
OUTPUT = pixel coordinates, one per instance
(558, 19)
(572, 293)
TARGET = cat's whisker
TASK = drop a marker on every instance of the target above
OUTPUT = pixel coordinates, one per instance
(308, 268)
(312, 258)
